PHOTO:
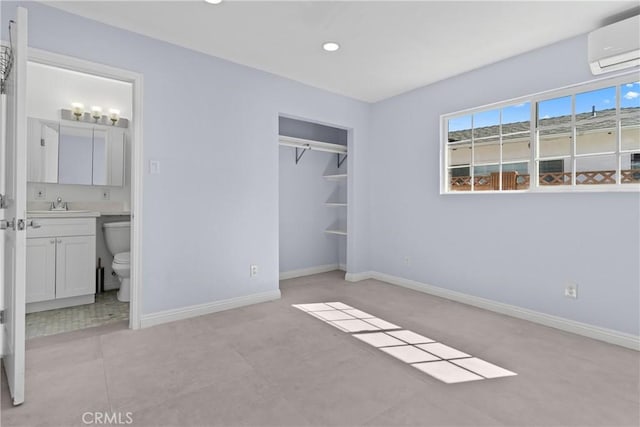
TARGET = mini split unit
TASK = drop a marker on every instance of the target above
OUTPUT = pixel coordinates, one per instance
(615, 47)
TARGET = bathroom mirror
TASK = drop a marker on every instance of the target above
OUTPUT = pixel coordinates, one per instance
(75, 154)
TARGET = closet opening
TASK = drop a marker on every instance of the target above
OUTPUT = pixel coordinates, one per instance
(313, 197)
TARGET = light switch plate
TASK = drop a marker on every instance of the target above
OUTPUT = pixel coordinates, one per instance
(154, 167)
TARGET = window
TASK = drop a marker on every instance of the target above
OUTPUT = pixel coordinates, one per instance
(583, 137)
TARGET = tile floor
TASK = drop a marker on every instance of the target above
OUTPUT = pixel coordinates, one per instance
(268, 365)
(107, 309)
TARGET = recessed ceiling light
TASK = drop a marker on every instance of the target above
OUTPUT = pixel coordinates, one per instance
(213, 1)
(331, 46)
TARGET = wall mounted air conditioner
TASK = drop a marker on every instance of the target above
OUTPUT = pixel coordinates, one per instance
(615, 47)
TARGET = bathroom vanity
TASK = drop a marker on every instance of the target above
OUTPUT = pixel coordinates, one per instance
(61, 254)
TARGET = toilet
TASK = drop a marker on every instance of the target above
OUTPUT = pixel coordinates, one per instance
(117, 235)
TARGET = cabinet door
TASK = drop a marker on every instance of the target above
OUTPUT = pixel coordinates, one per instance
(41, 269)
(75, 271)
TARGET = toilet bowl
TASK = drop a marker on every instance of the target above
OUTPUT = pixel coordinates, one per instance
(121, 266)
(117, 236)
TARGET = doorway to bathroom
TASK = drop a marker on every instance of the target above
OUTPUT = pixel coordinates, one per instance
(83, 196)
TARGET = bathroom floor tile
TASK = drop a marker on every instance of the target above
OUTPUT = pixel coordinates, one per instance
(484, 368)
(358, 314)
(339, 306)
(382, 324)
(355, 325)
(378, 339)
(443, 351)
(409, 354)
(447, 372)
(410, 337)
(332, 315)
(107, 309)
(313, 307)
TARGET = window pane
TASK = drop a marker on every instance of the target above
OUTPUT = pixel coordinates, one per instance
(554, 145)
(486, 123)
(459, 179)
(555, 112)
(593, 140)
(630, 115)
(516, 118)
(631, 168)
(487, 151)
(596, 170)
(554, 172)
(630, 138)
(515, 176)
(596, 121)
(459, 154)
(482, 177)
(459, 129)
(515, 147)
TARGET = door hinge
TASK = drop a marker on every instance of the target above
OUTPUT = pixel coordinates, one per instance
(3, 201)
(1, 317)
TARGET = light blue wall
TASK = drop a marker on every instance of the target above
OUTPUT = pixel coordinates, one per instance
(213, 125)
(514, 248)
(303, 214)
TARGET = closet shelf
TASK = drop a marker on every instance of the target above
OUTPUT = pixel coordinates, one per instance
(338, 232)
(334, 204)
(336, 176)
(309, 144)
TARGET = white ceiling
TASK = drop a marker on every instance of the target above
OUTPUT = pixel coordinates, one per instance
(388, 47)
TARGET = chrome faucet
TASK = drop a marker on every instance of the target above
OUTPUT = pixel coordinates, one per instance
(58, 205)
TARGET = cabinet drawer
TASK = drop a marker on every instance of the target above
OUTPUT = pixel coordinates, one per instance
(50, 227)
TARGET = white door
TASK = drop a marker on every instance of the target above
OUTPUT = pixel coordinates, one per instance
(14, 222)
(75, 257)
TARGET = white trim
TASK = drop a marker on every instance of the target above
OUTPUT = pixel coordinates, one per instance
(292, 274)
(137, 160)
(147, 320)
(342, 267)
(602, 334)
(356, 277)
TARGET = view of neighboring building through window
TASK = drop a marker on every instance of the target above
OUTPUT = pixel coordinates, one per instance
(580, 138)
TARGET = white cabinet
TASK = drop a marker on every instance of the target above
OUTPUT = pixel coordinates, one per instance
(41, 271)
(61, 255)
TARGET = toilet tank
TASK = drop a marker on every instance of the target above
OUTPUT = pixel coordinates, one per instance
(117, 236)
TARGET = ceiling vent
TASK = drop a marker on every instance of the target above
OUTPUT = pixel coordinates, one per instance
(615, 47)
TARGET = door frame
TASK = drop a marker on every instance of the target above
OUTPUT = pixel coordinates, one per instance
(137, 161)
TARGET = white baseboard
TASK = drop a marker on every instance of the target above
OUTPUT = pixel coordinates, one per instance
(166, 316)
(342, 267)
(603, 334)
(308, 271)
(356, 277)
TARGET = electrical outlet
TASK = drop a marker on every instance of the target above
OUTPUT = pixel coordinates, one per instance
(253, 270)
(407, 261)
(40, 193)
(106, 194)
(571, 290)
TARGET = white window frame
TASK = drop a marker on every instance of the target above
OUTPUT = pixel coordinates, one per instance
(534, 99)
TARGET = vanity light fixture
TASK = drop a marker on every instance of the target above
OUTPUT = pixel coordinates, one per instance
(77, 109)
(114, 116)
(96, 113)
(330, 46)
(213, 1)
